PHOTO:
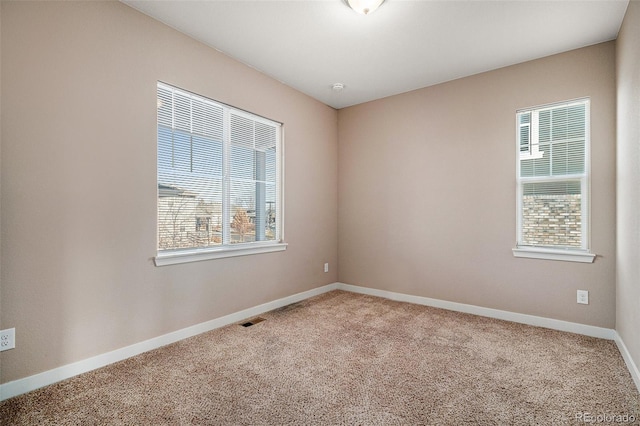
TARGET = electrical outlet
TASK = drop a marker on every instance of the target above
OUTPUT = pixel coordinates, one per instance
(583, 297)
(7, 339)
(326, 267)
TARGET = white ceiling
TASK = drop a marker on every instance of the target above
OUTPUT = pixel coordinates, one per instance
(404, 45)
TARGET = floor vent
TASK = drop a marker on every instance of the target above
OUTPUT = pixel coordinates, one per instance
(252, 322)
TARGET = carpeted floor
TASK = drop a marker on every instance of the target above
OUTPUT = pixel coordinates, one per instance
(348, 359)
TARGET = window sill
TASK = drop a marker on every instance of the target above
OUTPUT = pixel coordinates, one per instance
(551, 254)
(196, 255)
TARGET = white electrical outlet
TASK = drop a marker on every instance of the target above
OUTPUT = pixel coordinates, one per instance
(583, 297)
(326, 267)
(7, 339)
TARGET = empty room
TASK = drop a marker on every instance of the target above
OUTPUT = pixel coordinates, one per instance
(374, 212)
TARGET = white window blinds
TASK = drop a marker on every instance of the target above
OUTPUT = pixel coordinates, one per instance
(553, 166)
(218, 174)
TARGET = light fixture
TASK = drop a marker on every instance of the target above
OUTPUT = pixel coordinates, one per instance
(337, 87)
(364, 7)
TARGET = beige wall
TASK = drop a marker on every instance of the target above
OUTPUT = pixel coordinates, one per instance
(628, 182)
(79, 184)
(427, 191)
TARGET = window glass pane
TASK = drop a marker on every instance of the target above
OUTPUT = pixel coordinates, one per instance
(576, 156)
(561, 143)
(544, 118)
(165, 107)
(190, 218)
(538, 166)
(243, 212)
(181, 151)
(165, 148)
(270, 159)
(552, 214)
(265, 137)
(207, 156)
(242, 162)
(181, 111)
(524, 138)
(242, 133)
(207, 119)
(559, 124)
(576, 126)
(270, 212)
(568, 158)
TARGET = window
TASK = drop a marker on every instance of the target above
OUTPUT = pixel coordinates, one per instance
(202, 223)
(219, 180)
(553, 182)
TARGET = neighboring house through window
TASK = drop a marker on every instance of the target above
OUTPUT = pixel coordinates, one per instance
(219, 179)
(553, 144)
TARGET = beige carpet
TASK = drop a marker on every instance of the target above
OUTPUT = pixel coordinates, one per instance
(343, 358)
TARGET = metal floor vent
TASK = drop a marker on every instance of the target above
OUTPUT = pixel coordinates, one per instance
(252, 322)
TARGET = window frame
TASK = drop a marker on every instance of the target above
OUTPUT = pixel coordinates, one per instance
(225, 250)
(571, 254)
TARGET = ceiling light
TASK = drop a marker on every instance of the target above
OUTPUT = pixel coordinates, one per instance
(337, 87)
(364, 7)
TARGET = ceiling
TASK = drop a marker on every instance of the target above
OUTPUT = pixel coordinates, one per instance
(404, 45)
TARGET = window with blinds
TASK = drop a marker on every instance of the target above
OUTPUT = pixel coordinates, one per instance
(218, 175)
(553, 176)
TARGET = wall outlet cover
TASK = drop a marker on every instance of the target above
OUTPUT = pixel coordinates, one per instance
(7, 339)
(583, 297)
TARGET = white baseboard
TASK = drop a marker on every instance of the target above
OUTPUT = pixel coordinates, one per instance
(633, 368)
(27, 384)
(572, 327)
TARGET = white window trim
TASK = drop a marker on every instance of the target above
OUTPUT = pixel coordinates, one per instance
(566, 255)
(584, 254)
(178, 256)
(196, 255)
